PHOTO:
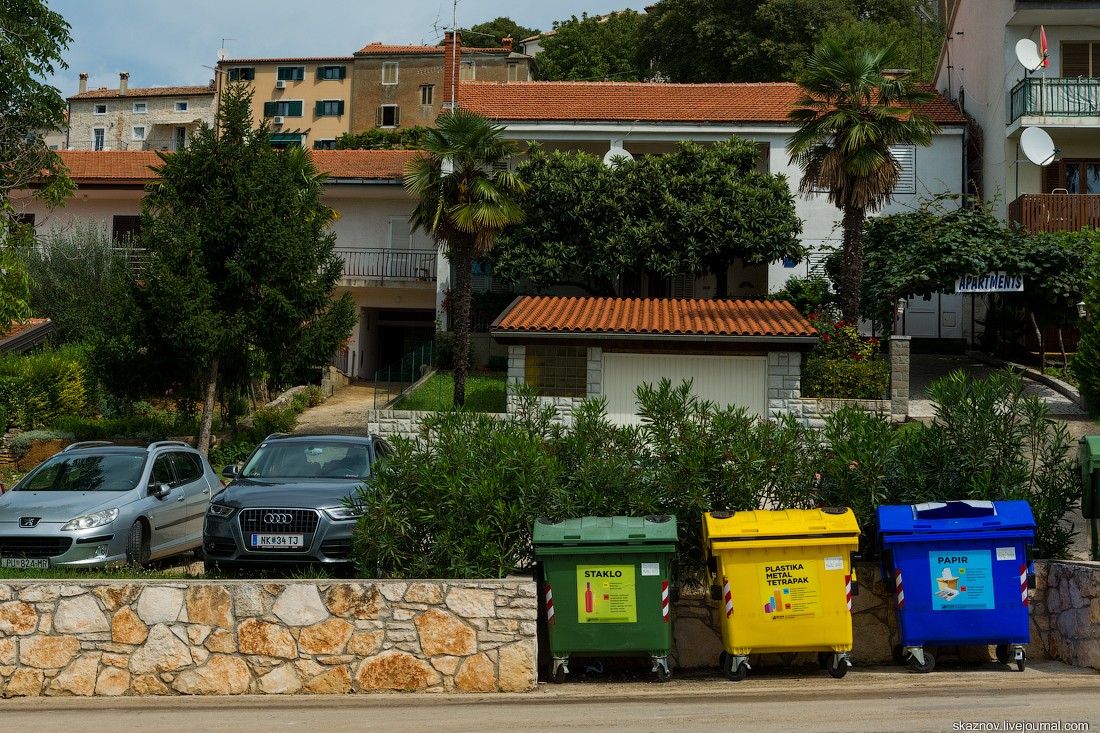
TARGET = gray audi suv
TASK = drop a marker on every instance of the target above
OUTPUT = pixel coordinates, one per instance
(286, 506)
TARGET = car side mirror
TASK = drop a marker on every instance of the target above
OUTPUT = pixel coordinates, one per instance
(231, 471)
(161, 490)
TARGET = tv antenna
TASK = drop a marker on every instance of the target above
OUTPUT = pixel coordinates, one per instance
(616, 156)
(1038, 147)
(1027, 53)
(222, 53)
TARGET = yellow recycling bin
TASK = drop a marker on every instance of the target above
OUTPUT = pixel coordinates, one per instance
(783, 581)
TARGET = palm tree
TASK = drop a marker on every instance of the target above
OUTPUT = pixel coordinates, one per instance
(849, 114)
(464, 201)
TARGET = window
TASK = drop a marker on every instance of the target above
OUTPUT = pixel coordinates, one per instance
(162, 473)
(427, 92)
(290, 73)
(242, 73)
(187, 466)
(125, 228)
(99, 138)
(140, 108)
(181, 138)
(137, 133)
(513, 71)
(466, 71)
(26, 220)
(1075, 176)
(1081, 58)
(99, 109)
(181, 106)
(329, 107)
(288, 108)
(331, 72)
(906, 156)
(389, 115)
(557, 371)
(286, 139)
(324, 144)
(389, 72)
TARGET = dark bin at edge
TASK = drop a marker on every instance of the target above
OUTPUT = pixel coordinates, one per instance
(1088, 458)
(608, 586)
(961, 571)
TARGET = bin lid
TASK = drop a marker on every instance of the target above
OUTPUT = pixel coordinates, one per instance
(649, 530)
(1088, 452)
(758, 523)
(968, 515)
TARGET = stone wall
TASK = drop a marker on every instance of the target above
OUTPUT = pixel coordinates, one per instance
(1066, 609)
(237, 637)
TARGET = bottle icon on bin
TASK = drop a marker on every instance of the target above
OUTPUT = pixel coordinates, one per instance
(588, 598)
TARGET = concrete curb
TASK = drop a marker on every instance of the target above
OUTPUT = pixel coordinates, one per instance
(1063, 388)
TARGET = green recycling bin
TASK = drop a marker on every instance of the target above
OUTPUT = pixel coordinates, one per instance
(1088, 458)
(607, 587)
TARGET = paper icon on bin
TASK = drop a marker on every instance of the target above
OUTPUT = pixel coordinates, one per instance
(947, 581)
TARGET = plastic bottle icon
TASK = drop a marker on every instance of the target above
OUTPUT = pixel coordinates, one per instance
(588, 598)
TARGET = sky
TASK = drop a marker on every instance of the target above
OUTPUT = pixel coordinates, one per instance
(169, 44)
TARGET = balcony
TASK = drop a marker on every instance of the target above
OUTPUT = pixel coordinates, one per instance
(1055, 97)
(388, 265)
(1056, 212)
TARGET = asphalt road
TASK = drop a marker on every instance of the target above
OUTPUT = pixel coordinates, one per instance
(867, 699)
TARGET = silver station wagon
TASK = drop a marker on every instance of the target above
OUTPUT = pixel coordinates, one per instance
(99, 503)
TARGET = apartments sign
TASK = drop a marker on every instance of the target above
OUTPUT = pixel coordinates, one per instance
(994, 282)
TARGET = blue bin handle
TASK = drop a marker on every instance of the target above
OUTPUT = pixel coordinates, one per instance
(963, 509)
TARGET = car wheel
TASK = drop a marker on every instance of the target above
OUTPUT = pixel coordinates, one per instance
(137, 545)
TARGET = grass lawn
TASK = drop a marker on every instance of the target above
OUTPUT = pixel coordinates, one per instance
(484, 393)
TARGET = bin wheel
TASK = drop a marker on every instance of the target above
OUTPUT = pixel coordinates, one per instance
(738, 674)
(1020, 664)
(663, 675)
(898, 654)
(1004, 653)
(823, 659)
(928, 666)
(838, 667)
(558, 675)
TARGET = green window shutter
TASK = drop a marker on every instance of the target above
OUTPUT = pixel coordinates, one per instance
(378, 118)
(396, 116)
(269, 109)
(340, 109)
(320, 72)
(294, 109)
(319, 108)
(343, 72)
(299, 73)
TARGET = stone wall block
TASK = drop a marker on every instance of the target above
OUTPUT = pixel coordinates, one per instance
(266, 640)
(161, 652)
(210, 605)
(518, 666)
(365, 644)
(327, 637)
(159, 604)
(114, 597)
(148, 684)
(17, 618)
(471, 603)
(222, 675)
(428, 593)
(7, 651)
(25, 683)
(48, 652)
(356, 601)
(336, 681)
(300, 605)
(79, 614)
(476, 675)
(112, 682)
(396, 671)
(77, 679)
(280, 681)
(441, 633)
(248, 600)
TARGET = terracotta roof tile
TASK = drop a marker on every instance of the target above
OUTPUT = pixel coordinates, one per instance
(146, 92)
(379, 47)
(17, 328)
(301, 59)
(653, 316)
(649, 102)
(133, 166)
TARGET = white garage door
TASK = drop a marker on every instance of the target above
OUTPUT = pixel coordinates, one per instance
(724, 380)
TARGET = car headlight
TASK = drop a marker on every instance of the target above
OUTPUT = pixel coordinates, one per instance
(343, 513)
(219, 510)
(95, 519)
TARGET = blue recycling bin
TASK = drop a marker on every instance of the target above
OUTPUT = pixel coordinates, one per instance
(961, 571)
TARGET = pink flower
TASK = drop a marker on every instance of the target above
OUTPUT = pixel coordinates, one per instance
(852, 466)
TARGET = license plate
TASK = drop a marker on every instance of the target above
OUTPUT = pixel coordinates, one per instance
(278, 540)
(23, 563)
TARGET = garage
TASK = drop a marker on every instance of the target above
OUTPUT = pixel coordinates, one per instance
(724, 380)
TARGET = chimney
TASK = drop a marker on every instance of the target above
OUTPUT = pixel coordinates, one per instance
(83, 82)
(123, 83)
(506, 44)
(452, 57)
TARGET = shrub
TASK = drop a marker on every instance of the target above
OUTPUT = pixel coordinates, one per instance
(844, 364)
(314, 395)
(38, 388)
(229, 452)
(21, 443)
(808, 295)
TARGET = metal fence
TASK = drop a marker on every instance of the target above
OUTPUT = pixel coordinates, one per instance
(396, 378)
(387, 264)
(1058, 97)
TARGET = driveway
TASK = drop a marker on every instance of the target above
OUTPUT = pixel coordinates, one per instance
(345, 412)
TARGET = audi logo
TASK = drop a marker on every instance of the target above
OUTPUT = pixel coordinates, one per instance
(278, 518)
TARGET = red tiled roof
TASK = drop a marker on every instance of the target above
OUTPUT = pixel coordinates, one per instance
(653, 316)
(366, 164)
(379, 47)
(133, 166)
(238, 62)
(17, 328)
(649, 102)
(146, 92)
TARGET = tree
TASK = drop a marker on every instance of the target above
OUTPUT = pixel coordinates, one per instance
(592, 48)
(490, 33)
(239, 272)
(463, 201)
(849, 115)
(32, 38)
(696, 210)
(768, 40)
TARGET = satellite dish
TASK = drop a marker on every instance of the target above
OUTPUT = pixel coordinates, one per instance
(616, 155)
(1037, 146)
(223, 54)
(1028, 54)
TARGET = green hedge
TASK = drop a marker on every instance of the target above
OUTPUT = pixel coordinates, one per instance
(867, 379)
(39, 388)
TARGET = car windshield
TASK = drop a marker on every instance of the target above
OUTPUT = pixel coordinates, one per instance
(298, 459)
(85, 473)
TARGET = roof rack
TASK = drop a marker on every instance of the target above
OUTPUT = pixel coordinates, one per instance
(277, 435)
(158, 443)
(86, 444)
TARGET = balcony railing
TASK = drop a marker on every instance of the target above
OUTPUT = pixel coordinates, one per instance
(1057, 97)
(1056, 212)
(103, 145)
(386, 264)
